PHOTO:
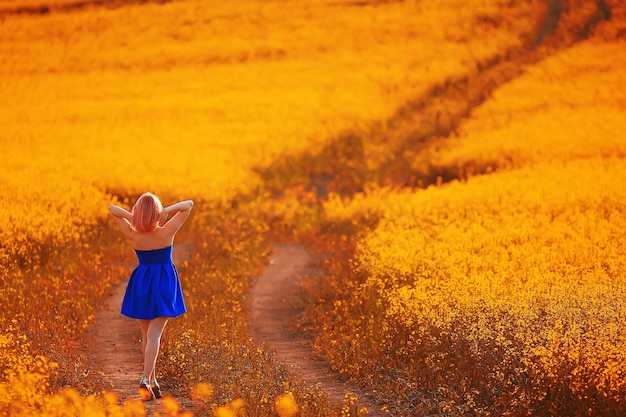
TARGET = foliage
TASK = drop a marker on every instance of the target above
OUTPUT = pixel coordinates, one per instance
(495, 294)
(492, 296)
(490, 289)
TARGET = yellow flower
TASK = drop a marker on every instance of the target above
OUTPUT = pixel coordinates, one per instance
(202, 392)
(286, 405)
(169, 406)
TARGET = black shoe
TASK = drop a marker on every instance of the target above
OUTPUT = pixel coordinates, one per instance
(156, 389)
(145, 390)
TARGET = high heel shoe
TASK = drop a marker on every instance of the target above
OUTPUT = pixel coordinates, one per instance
(145, 390)
(156, 389)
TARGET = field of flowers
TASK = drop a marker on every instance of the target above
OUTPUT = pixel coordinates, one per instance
(480, 294)
(500, 292)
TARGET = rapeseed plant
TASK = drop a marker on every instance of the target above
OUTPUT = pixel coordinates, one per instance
(195, 84)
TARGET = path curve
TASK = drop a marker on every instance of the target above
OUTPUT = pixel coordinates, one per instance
(114, 346)
(271, 317)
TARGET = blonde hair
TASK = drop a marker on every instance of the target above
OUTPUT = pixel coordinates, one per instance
(146, 213)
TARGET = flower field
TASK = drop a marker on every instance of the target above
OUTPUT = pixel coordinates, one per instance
(496, 294)
(458, 167)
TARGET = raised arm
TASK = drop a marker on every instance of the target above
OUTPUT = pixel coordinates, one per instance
(180, 206)
(179, 211)
(117, 211)
(121, 216)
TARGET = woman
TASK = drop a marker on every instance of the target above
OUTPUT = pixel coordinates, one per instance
(153, 294)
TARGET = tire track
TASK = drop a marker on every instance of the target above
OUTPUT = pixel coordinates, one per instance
(346, 164)
(271, 317)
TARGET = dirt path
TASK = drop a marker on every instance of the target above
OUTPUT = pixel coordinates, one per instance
(271, 318)
(116, 350)
(116, 345)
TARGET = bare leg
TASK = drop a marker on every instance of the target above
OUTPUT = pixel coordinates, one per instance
(143, 325)
(152, 343)
(145, 390)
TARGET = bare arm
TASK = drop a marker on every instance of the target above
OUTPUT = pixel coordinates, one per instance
(121, 216)
(180, 211)
(117, 211)
(181, 206)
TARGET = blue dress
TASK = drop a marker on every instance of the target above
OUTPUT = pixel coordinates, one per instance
(154, 287)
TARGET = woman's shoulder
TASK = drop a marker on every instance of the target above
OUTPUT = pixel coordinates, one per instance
(155, 239)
